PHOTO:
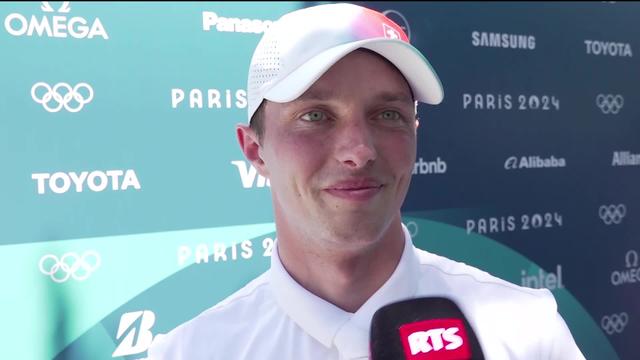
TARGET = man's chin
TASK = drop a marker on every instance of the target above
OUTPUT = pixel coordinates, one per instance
(358, 226)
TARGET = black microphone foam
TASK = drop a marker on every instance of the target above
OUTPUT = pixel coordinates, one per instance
(387, 342)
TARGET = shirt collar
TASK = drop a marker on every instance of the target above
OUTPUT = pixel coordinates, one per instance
(331, 325)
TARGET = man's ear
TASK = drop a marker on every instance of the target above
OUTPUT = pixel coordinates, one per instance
(250, 146)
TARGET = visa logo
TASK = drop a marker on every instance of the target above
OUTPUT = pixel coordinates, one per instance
(249, 175)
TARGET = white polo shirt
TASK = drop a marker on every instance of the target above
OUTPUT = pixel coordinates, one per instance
(274, 318)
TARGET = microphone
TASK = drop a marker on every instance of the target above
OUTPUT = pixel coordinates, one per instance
(431, 328)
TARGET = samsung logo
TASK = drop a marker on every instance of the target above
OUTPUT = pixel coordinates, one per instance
(505, 41)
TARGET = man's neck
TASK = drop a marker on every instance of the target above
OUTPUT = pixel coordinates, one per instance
(345, 278)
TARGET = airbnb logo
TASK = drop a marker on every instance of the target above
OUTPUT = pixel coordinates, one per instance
(438, 339)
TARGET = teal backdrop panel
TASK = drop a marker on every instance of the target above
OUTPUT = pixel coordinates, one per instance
(127, 207)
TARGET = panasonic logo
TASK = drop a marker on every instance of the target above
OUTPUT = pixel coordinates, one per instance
(96, 181)
(505, 41)
(625, 158)
(534, 162)
(253, 26)
(608, 48)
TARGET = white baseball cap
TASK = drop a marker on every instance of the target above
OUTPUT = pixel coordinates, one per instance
(302, 45)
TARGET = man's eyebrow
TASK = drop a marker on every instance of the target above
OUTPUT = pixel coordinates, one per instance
(387, 96)
(315, 95)
(393, 97)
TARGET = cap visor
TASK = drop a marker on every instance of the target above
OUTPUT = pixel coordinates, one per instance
(414, 67)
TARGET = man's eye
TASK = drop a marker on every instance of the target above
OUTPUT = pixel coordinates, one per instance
(313, 116)
(390, 115)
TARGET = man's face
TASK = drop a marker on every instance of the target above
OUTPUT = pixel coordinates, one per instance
(339, 158)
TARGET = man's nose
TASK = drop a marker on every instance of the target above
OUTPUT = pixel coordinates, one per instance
(355, 145)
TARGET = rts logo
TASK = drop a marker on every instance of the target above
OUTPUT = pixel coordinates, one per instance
(438, 339)
(249, 175)
(57, 26)
(134, 332)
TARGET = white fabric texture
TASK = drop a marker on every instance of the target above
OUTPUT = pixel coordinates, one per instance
(274, 318)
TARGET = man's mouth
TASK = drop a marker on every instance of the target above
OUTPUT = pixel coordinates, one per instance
(355, 189)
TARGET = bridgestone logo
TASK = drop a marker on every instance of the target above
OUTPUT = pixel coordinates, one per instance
(534, 162)
(505, 41)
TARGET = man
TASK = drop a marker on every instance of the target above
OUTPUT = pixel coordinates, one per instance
(332, 106)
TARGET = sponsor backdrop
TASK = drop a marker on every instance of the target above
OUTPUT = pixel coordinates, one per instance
(127, 207)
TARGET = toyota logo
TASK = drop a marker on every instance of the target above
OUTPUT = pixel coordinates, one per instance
(53, 99)
(612, 214)
(609, 104)
(614, 323)
(69, 265)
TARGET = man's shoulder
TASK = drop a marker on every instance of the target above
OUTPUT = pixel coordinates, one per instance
(463, 279)
(222, 321)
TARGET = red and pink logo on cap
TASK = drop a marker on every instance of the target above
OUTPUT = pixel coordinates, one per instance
(374, 22)
(437, 339)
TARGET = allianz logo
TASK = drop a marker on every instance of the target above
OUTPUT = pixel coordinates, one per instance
(501, 40)
(249, 175)
(95, 181)
(57, 26)
(534, 162)
(422, 167)
(625, 158)
(223, 24)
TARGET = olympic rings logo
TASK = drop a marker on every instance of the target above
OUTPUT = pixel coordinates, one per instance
(70, 265)
(412, 227)
(609, 104)
(53, 100)
(612, 214)
(614, 323)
